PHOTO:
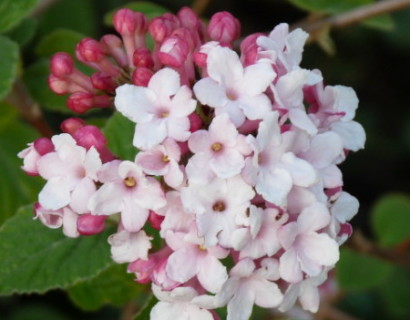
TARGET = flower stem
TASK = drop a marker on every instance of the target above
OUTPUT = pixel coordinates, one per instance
(200, 6)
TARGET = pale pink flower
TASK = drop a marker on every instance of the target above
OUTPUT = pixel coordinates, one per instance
(231, 88)
(162, 160)
(70, 172)
(307, 250)
(127, 190)
(160, 110)
(220, 147)
(217, 206)
(247, 286)
(129, 246)
(192, 258)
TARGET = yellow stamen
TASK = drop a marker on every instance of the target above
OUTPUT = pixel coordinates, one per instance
(216, 147)
(130, 182)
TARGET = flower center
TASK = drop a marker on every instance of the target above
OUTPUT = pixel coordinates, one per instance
(231, 94)
(165, 158)
(217, 147)
(130, 182)
(202, 247)
(219, 206)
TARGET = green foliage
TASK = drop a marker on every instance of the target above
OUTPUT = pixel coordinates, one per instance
(17, 188)
(335, 7)
(34, 258)
(360, 272)
(38, 312)
(35, 77)
(120, 132)
(113, 286)
(24, 32)
(391, 219)
(8, 64)
(151, 10)
(144, 313)
(59, 40)
(12, 12)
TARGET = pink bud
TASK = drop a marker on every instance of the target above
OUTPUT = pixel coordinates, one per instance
(71, 125)
(114, 46)
(224, 27)
(103, 82)
(89, 136)
(142, 76)
(161, 27)
(249, 49)
(173, 52)
(183, 146)
(188, 18)
(128, 22)
(142, 58)
(81, 102)
(195, 122)
(155, 220)
(58, 85)
(43, 146)
(88, 224)
(89, 50)
(61, 64)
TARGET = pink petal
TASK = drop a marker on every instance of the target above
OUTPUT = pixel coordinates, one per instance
(289, 268)
(182, 265)
(257, 78)
(81, 195)
(320, 248)
(212, 273)
(267, 294)
(55, 194)
(352, 134)
(133, 217)
(107, 200)
(149, 134)
(309, 297)
(302, 172)
(274, 186)
(165, 82)
(210, 93)
(227, 165)
(300, 119)
(313, 218)
(224, 66)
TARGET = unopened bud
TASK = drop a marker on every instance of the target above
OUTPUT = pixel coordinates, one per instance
(88, 224)
(128, 22)
(195, 122)
(142, 58)
(224, 27)
(142, 76)
(114, 46)
(61, 64)
(188, 18)
(173, 52)
(71, 125)
(81, 102)
(103, 82)
(43, 146)
(155, 220)
(162, 27)
(89, 50)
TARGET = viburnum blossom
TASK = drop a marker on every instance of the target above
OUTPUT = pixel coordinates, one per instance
(235, 196)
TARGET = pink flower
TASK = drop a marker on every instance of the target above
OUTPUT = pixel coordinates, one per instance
(127, 190)
(307, 250)
(70, 172)
(129, 246)
(231, 88)
(219, 151)
(161, 110)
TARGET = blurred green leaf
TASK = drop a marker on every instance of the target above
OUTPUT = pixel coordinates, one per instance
(396, 293)
(38, 312)
(59, 40)
(144, 313)
(151, 10)
(17, 188)
(119, 131)
(113, 286)
(332, 7)
(8, 64)
(24, 32)
(36, 77)
(12, 12)
(360, 272)
(34, 258)
(391, 219)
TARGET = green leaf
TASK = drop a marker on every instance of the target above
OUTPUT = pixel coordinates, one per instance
(59, 40)
(17, 188)
(361, 272)
(36, 259)
(38, 312)
(8, 64)
(391, 219)
(144, 313)
(120, 133)
(383, 22)
(24, 32)
(113, 286)
(151, 10)
(35, 78)
(12, 12)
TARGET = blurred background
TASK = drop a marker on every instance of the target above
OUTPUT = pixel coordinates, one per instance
(373, 58)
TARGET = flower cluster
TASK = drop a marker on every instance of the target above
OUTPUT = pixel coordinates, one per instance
(237, 168)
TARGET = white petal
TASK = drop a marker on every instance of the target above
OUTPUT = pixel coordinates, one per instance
(165, 82)
(134, 102)
(352, 134)
(210, 93)
(257, 78)
(300, 119)
(212, 274)
(148, 135)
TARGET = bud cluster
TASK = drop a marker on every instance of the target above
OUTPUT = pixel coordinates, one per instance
(237, 169)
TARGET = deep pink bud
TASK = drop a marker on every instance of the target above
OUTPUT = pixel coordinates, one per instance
(43, 146)
(88, 224)
(128, 22)
(80, 102)
(58, 85)
(103, 82)
(142, 76)
(71, 125)
(249, 49)
(200, 59)
(173, 52)
(161, 27)
(89, 50)
(183, 146)
(142, 58)
(61, 64)
(155, 220)
(188, 18)
(90, 136)
(224, 27)
(195, 122)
